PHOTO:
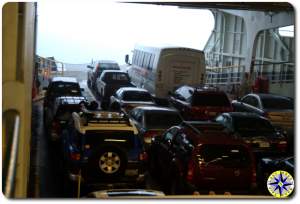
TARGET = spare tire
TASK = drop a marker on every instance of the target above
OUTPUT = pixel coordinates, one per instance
(109, 161)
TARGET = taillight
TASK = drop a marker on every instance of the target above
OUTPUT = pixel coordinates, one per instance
(55, 127)
(75, 156)
(282, 145)
(143, 156)
(253, 173)
(190, 172)
(150, 133)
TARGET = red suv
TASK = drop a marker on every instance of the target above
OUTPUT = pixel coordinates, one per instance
(186, 159)
(200, 103)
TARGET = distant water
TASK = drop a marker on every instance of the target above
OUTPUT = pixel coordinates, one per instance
(75, 67)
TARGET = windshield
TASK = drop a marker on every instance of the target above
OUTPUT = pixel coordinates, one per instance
(210, 99)
(277, 103)
(65, 89)
(252, 125)
(224, 155)
(161, 120)
(137, 96)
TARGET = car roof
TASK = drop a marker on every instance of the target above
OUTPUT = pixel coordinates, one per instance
(211, 137)
(203, 89)
(133, 89)
(66, 100)
(113, 71)
(243, 115)
(64, 79)
(273, 96)
(102, 120)
(156, 108)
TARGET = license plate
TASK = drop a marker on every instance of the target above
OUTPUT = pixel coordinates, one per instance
(131, 172)
(264, 144)
(212, 113)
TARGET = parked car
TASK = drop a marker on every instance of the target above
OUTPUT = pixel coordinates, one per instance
(270, 164)
(184, 155)
(60, 86)
(279, 109)
(256, 131)
(200, 103)
(57, 118)
(129, 97)
(101, 145)
(153, 120)
(96, 68)
(109, 82)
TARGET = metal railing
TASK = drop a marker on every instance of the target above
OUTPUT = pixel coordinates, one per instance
(234, 75)
(12, 157)
(224, 75)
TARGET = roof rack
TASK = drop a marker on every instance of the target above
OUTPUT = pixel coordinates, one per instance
(97, 117)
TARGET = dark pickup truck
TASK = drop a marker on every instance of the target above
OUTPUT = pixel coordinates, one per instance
(97, 68)
(108, 83)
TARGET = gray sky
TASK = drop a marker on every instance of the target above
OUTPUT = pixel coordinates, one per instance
(80, 31)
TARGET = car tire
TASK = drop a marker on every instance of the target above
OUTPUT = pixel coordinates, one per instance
(107, 162)
(153, 168)
(104, 105)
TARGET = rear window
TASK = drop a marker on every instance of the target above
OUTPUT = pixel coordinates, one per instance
(116, 77)
(210, 99)
(252, 125)
(225, 155)
(277, 103)
(123, 138)
(65, 112)
(109, 66)
(65, 89)
(137, 96)
(161, 120)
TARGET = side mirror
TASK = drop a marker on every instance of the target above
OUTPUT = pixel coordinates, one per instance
(127, 59)
(89, 66)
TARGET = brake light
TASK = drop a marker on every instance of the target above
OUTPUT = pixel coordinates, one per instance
(253, 173)
(150, 133)
(190, 172)
(55, 126)
(143, 156)
(282, 145)
(75, 156)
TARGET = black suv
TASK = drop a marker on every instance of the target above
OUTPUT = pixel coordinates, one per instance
(60, 86)
(57, 117)
(102, 145)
